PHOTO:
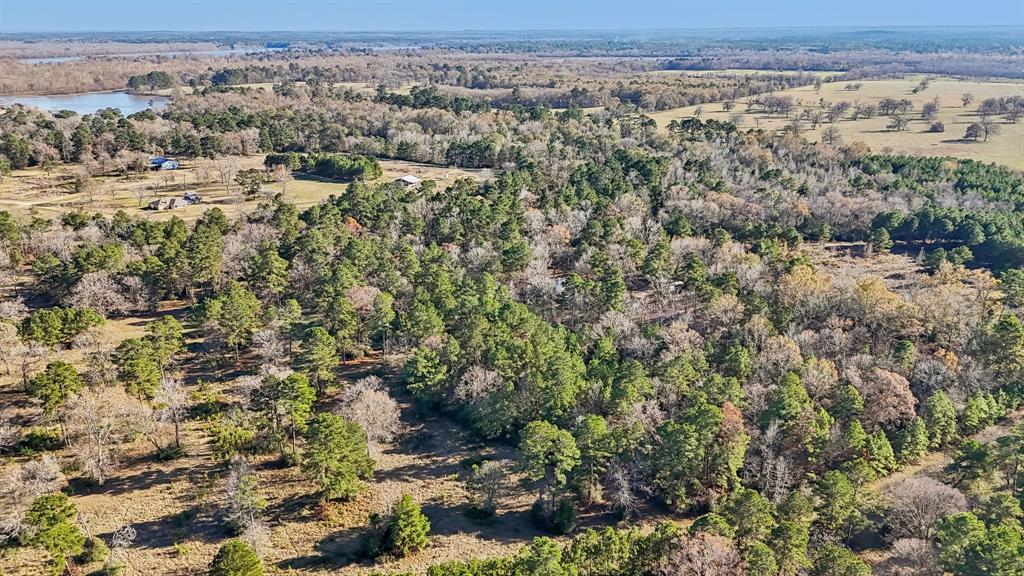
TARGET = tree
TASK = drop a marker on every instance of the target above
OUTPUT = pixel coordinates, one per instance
(966, 99)
(96, 422)
(425, 374)
(917, 505)
(1012, 284)
(268, 272)
(166, 337)
(336, 459)
(486, 481)
(138, 367)
(940, 419)
(880, 240)
(914, 442)
(244, 499)
(54, 385)
(236, 558)
(172, 401)
(704, 555)
(832, 560)
(838, 509)
(251, 181)
(789, 542)
(752, 514)
(286, 403)
(407, 528)
(831, 135)
(967, 546)
(595, 443)
(548, 454)
(320, 352)
(50, 525)
(989, 127)
(880, 454)
(367, 403)
(235, 311)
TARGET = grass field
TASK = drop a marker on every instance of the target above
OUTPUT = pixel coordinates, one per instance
(34, 192)
(1006, 148)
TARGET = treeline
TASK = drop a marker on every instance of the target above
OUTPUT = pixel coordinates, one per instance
(154, 80)
(333, 166)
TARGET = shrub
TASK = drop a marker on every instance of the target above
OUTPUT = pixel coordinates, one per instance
(236, 558)
(562, 520)
(937, 127)
(96, 550)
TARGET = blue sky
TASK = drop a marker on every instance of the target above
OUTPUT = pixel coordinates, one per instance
(446, 15)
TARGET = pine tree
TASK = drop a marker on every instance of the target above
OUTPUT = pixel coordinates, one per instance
(320, 353)
(855, 438)
(832, 560)
(940, 418)
(54, 385)
(336, 459)
(913, 441)
(407, 529)
(880, 454)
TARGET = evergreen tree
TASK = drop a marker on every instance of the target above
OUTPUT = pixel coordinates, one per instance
(913, 442)
(832, 560)
(752, 515)
(407, 528)
(880, 454)
(320, 353)
(548, 454)
(54, 385)
(940, 418)
(336, 459)
(595, 442)
(50, 524)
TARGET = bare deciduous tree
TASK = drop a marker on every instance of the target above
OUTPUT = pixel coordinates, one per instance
(702, 555)
(486, 481)
(172, 398)
(367, 403)
(20, 485)
(245, 502)
(911, 557)
(95, 425)
(917, 504)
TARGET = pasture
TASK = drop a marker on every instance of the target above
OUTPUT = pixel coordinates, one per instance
(1007, 147)
(48, 193)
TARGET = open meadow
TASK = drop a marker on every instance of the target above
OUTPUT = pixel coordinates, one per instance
(49, 193)
(1007, 147)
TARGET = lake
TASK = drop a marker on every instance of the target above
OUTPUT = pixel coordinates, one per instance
(91, 102)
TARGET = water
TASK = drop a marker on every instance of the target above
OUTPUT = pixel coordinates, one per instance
(91, 102)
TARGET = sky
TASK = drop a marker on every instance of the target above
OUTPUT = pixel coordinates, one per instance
(449, 15)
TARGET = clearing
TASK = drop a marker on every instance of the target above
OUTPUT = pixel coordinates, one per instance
(1004, 148)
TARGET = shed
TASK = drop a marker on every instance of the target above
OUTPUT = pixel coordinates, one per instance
(408, 180)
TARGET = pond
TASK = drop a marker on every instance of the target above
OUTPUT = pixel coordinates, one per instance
(90, 102)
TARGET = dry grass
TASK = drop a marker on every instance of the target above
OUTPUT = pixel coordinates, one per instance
(34, 192)
(176, 507)
(1006, 148)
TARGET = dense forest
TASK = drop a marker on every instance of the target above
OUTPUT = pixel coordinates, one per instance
(652, 319)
